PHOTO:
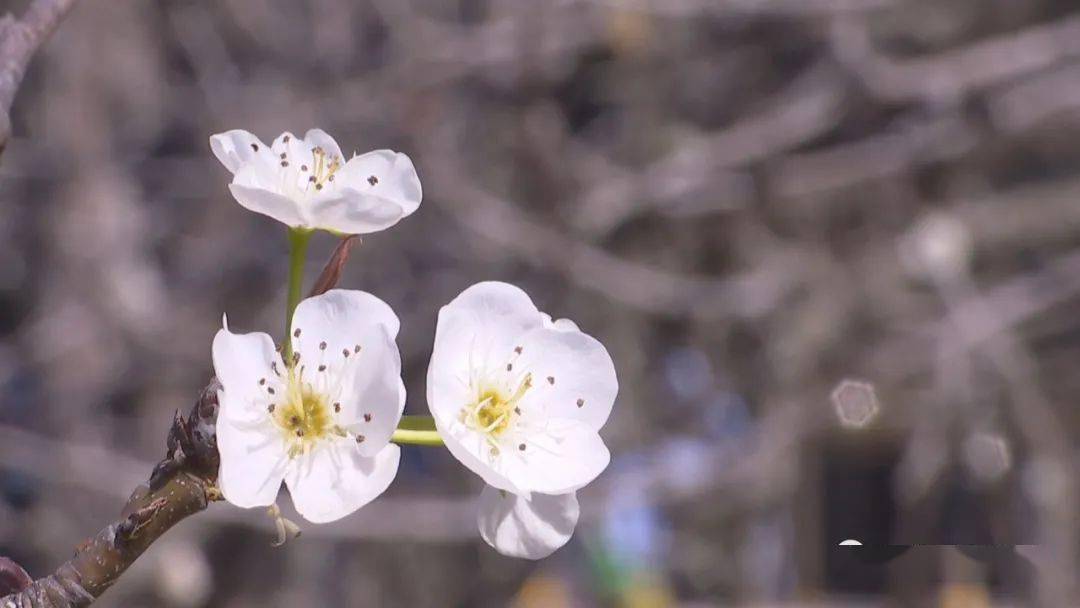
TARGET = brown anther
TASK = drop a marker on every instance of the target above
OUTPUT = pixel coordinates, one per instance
(296, 333)
(299, 432)
(517, 410)
(286, 139)
(303, 167)
(311, 178)
(337, 407)
(359, 439)
(295, 420)
(283, 156)
(367, 417)
(356, 348)
(521, 447)
(270, 390)
(284, 163)
(262, 381)
(322, 345)
(551, 379)
(345, 352)
(580, 402)
(518, 349)
(372, 180)
(270, 408)
(509, 366)
(318, 186)
(255, 147)
(322, 368)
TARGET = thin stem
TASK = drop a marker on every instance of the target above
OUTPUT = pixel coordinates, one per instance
(298, 242)
(417, 430)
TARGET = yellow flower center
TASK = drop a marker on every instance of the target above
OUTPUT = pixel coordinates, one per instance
(494, 410)
(305, 415)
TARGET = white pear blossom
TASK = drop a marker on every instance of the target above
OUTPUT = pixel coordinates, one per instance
(519, 399)
(307, 183)
(320, 422)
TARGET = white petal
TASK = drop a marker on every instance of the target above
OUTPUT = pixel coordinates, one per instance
(334, 479)
(365, 382)
(387, 175)
(319, 138)
(235, 148)
(478, 330)
(253, 460)
(529, 528)
(473, 451)
(241, 362)
(573, 376)
(350, 211)
(266, 202)
(559, 457)
(559, 324)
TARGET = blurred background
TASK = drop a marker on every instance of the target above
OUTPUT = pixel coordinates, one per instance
(832, 245)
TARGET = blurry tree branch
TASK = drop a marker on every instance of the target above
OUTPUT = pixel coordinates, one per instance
(19, 40)
(181, 485)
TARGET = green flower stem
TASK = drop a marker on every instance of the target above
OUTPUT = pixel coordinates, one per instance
(298, 242)
(417, 430)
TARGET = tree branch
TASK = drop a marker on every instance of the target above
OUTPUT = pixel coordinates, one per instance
(182, 484)
(19, 40)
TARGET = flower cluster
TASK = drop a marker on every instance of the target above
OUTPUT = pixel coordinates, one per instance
(516, 397)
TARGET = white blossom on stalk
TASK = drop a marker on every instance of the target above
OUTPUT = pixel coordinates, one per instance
(322, 421)
(307, 183)
(519, 399)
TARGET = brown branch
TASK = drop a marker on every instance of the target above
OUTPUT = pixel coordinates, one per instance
(19, 40)
(182, 484)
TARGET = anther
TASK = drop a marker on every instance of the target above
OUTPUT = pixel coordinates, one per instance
(580, 402)
(318, 186)
(255, 147)
(311, 179)
(295, 358)
(518, 349)
(372, 180)
(322, 345)
(270, 408)
(345, 352)
(284, 163)
(551, 379)
(270, 390)
(295, 420)
(283, 156)
(286, 139)
(517, 410)
(299, 432)
(337, 407)
(322, 368)
(296, 334)
(359, 439)
(509, 366)
(521, 447)
(303, 167)
(356, 348)
(262, 381)
(367, 417)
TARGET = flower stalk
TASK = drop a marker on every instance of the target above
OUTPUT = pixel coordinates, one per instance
(298, 243)
(417, 430)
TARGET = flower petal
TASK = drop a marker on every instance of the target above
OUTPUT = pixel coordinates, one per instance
(345, 339)
(477, 330)
(253, 461)
(558, 457)
(318, 138)
(573, 375)
(387, 175)
(236, 147)
(244, 363)
(350, 211)
(559, 324)
(334, 480)
(266, 202)
(529, 528)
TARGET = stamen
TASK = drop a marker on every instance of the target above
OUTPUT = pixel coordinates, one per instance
(372, 180)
